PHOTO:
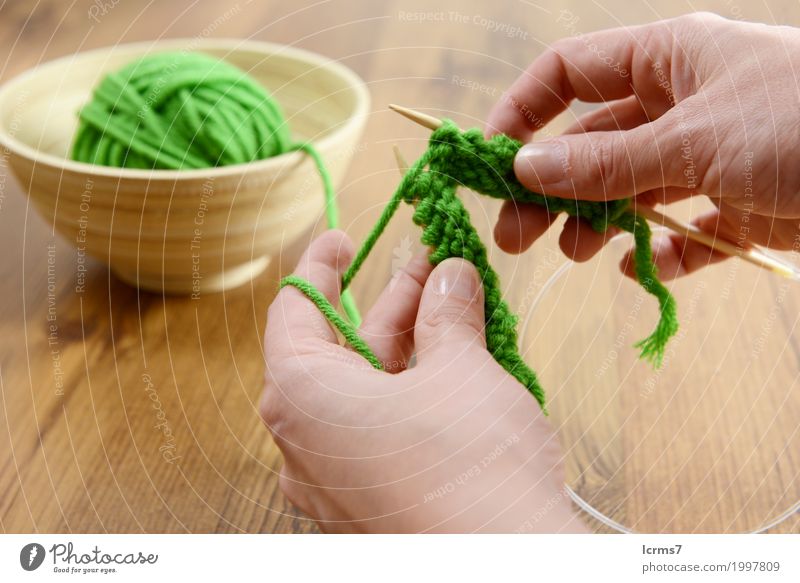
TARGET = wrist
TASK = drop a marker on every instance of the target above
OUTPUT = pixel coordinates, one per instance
(505, 500)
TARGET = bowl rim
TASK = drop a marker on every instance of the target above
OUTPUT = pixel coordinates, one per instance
(193, 44)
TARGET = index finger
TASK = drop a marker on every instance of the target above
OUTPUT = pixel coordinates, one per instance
(600, 66)
(292, 318)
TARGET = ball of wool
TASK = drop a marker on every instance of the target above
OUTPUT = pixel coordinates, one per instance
(184, 110)
(179, 110)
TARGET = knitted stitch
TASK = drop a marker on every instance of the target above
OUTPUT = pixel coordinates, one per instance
(456, 158)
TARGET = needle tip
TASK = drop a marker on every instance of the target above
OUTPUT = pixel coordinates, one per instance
(788, 273)
(398, 156)
(422, 119)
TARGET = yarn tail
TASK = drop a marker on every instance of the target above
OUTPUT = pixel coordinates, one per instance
(653, 347)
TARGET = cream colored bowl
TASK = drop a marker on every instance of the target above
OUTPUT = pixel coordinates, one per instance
(182, 231)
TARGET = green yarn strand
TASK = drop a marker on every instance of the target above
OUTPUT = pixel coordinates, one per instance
(348, 330)
(455, 158)
(406, 184)
(332, 214)
(186, 110)
(653, 347)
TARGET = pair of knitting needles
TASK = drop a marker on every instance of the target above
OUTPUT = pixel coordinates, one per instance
(751, 254)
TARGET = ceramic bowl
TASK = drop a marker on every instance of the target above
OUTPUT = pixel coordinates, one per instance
(184, 231)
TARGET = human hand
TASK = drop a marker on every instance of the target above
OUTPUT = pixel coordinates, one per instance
(451, 444)
(697, 104)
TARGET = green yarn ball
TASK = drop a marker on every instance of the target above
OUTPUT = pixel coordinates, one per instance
(179, 110)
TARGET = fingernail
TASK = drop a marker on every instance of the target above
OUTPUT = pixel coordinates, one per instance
(547, 160)
(455, 278)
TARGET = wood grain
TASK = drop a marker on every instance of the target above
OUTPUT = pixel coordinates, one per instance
(83, 446)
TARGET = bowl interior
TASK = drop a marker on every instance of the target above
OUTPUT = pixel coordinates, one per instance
(38, 110)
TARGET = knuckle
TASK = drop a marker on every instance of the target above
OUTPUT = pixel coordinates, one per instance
(405, 286)
(688, 149)
(271, 407)
(562, 47)
(455, 312)
(708, 16)
(702, 17)
(277, 309)
(413, 273)
(562, 54)
(604, 159)
(596, 120)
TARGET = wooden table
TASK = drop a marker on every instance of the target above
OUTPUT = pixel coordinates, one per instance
(82, 448)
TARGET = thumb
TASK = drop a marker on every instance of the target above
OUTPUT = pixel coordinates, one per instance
(604, 165)
(450, 316)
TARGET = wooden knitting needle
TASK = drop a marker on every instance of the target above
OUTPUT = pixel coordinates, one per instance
(402, 165)
(751, 254)
(423, 119)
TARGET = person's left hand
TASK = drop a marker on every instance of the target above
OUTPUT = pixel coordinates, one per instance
(453, 443)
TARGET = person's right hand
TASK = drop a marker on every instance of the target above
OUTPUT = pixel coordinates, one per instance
(697, 104)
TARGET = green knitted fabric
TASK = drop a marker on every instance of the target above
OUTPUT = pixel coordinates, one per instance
(187, 110)
(455, 158)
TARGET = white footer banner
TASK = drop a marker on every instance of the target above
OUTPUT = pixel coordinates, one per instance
(381, 558)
